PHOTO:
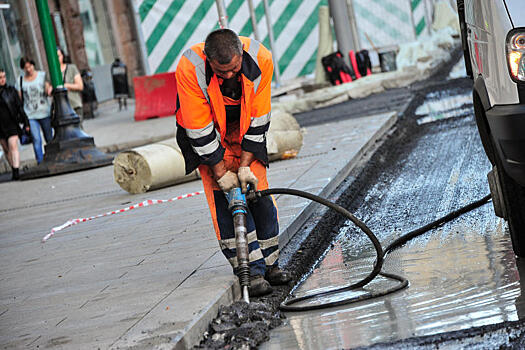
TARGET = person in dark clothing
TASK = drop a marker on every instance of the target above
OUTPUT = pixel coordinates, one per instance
(11, 116)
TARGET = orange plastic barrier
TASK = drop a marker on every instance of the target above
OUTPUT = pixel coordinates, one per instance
(155, 96)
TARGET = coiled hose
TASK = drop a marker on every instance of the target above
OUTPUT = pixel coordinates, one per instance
(287, 305)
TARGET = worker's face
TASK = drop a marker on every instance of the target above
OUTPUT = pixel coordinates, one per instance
(2, 78)
(29, 68)
(229, 70)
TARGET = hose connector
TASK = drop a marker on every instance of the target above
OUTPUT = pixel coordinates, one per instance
(236, 201)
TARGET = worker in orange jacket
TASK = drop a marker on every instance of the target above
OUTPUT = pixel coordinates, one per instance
(223, 114)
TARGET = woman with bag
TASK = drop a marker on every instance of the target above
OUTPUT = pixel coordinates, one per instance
(73, 83)
(34, 91)
(11, 116)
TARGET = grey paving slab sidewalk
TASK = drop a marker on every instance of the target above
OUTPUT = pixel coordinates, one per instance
(147, 278)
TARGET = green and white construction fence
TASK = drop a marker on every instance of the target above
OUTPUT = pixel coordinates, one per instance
(171, 26)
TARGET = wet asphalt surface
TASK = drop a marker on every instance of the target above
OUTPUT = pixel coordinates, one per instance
(465, 289)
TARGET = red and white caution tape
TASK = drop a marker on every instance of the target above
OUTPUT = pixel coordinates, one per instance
(134, 206)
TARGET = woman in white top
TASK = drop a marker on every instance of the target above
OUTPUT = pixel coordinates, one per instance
(34, 90)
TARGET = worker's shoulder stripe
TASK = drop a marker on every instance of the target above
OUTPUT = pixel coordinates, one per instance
(253, 50)
(193, 57)
(200, 70)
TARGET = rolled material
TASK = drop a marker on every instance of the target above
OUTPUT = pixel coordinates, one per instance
(151, 167)
(161, 164)
(285, 137)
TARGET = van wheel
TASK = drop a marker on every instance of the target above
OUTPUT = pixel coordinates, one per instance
(514, 198)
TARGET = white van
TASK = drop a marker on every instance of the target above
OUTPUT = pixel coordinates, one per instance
(493, 37)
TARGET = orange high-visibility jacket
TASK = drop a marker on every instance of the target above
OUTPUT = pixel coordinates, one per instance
(201, 115)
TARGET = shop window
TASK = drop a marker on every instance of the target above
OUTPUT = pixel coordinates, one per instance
(10, 51)
(98, 37)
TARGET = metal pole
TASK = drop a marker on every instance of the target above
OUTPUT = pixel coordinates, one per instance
(223, 17)
(428, 18)
(412, 19)
(343, 29)
(140, 37)
(49, 42)
(254, 20)
(272, 43)
(353, 24)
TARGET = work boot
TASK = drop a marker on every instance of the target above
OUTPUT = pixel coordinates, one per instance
(277, 277)
(259, 286)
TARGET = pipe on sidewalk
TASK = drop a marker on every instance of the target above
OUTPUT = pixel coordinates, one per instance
(151, 167)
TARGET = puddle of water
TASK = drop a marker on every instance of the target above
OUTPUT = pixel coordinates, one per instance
(459, 278)
(437, 107)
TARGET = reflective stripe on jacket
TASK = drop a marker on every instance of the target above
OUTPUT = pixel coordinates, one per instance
(201, 115)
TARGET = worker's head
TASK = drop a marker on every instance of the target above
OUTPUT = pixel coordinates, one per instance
(2, 77)
(223, 49)
(28, 65)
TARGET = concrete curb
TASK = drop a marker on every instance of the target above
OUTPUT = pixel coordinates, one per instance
(143, 335)
(195, 330)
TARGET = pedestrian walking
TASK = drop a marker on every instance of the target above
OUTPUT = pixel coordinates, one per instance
(72, 82)
(34, 90)
(11, 116)
(224, 94)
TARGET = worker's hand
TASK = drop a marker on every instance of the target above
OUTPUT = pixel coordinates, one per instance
(228, 181)
(247, 177)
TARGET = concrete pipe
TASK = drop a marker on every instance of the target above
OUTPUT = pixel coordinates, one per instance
(151, 167)
(285, 138)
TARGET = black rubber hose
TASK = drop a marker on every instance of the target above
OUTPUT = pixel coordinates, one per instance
(286, 305)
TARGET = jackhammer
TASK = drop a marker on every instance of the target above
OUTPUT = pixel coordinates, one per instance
(239, 208)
